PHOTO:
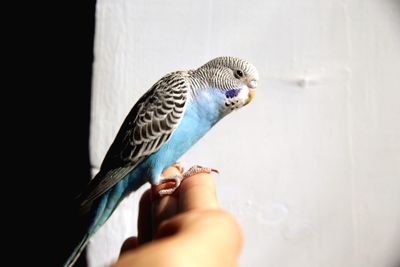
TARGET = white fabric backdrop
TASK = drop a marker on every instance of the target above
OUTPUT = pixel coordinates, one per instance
(311, 168)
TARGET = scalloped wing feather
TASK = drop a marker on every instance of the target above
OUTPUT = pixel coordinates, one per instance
(147, 127)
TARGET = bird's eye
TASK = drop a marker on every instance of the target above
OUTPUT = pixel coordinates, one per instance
(238, 74)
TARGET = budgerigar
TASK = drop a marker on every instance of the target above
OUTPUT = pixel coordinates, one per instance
(166, 121)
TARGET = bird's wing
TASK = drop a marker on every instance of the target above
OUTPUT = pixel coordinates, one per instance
(147, 127)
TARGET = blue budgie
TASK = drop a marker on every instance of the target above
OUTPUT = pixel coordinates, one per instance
(165, 122)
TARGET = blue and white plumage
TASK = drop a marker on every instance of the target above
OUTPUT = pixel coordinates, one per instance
(166, 121)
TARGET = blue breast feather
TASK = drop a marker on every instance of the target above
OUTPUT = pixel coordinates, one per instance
(200, 115)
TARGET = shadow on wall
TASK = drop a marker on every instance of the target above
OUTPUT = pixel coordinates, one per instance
(394, 8)
(397, 3)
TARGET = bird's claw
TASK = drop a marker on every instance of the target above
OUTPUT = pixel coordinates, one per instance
(168, 185)
(179, 167)
(196, 169)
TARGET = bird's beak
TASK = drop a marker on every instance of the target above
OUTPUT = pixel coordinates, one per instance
(252, 86)
(250, 96)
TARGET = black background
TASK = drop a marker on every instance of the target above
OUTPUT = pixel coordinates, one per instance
(46, 110)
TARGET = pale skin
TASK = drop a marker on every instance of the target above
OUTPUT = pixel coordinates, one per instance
(190, 229)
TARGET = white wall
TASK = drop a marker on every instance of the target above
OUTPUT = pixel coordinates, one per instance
(311, 168)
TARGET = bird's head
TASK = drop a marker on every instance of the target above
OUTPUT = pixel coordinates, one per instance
(234, 78)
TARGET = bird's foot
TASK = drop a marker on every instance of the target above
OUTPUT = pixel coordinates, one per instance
(168, 185)
(196, 169)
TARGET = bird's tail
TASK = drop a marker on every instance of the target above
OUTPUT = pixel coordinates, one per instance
(99, 212)
(96, 218)
(77, 252)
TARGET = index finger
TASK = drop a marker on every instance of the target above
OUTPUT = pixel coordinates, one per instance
(198, 192)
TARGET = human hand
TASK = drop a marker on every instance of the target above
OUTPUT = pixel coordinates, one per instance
(189, 229)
